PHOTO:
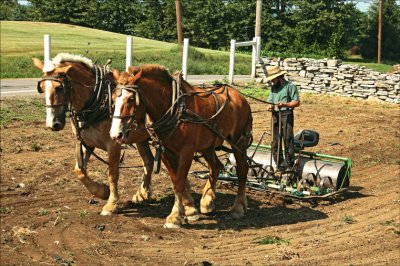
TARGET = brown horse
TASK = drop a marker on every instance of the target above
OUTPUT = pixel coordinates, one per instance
(185, 120)
(73, 82)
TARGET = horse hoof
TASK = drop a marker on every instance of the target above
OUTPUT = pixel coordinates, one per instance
(140, 198)
(193, 218)
(106, 213)
(207, 206)
(171, 226)
(237, 215)
(208, 209)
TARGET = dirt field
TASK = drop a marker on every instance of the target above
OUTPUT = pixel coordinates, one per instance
(46, 218)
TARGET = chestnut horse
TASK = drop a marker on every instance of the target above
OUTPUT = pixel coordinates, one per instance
(73, 82)
(185, 120)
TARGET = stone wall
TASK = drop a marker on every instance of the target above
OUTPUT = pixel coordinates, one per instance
(333, 77)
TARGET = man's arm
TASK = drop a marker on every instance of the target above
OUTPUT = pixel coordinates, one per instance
(291, 104)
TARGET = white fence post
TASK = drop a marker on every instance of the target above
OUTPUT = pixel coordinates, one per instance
(128, 61)
(47, 50)
(185, 55)
(256, 51)
(232, 61)
(253, 59)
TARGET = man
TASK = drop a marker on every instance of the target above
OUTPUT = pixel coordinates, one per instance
(285, 98)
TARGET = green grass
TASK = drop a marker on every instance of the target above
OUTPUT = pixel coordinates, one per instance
(20, 41)
(259, 93)
(383, 68)
(347, 219)
(43, 212)
(6, 210)
(83, 214)
(25, 110)
(273, 240)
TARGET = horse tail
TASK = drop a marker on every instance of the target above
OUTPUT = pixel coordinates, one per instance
(248, 131)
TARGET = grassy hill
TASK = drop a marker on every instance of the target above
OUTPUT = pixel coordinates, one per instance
(20, 41)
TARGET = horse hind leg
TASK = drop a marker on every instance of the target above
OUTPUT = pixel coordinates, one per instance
(240, 205)
(207, 204)
(99, 190)
(143, 193)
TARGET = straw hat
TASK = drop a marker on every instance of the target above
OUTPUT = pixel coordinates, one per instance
(273, 72)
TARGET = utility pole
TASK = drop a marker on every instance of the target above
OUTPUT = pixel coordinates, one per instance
(258, 18)
(380, 31)
(178, 21)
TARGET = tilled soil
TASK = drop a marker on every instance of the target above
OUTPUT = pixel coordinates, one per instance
(46, 217)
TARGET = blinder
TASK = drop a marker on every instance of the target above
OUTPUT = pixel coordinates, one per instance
(53, 78)
(64, 83)
(131, 88)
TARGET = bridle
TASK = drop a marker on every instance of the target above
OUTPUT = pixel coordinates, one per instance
(66, 88)
(133, 121)
(131, 88)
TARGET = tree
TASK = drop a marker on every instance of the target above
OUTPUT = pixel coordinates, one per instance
(12, 10)
(325, 27)
(390, 31)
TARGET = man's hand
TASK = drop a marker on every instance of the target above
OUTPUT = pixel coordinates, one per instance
(280, 105)
(270, 107)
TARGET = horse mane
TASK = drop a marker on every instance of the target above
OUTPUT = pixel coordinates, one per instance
(66, 57)
(154, 69)
(161, 71)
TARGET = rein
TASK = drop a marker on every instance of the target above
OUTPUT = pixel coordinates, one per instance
(178, 112)
(97, 108)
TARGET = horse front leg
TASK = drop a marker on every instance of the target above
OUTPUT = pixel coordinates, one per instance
(144, 191)
(114, 154)
(207, 204)
(178, 167)
(82, 156)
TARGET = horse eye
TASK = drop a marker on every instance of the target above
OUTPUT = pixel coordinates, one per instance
(131, 99)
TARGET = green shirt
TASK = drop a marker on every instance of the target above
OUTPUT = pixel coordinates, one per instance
(285, 93)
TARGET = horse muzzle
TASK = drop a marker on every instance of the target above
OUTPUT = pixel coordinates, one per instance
(119, 132)
(55, 119)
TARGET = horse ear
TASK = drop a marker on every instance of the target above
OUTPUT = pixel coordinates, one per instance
(115, 74)
(38, 64)
(131, 69)
(136, 77)
(63, 69)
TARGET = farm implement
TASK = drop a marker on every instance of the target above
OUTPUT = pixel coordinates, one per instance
(314, 176)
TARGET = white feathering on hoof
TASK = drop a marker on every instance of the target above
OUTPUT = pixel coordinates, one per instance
(172, 226)
(193, 218)
(105, 213)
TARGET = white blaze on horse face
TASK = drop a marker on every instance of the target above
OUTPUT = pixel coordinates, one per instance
(49, 111)
(116, 126)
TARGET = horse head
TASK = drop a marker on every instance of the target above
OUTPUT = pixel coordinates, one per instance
(56, 86)
(127, 108)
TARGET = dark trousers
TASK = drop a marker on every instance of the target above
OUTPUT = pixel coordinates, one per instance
(287, 139)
